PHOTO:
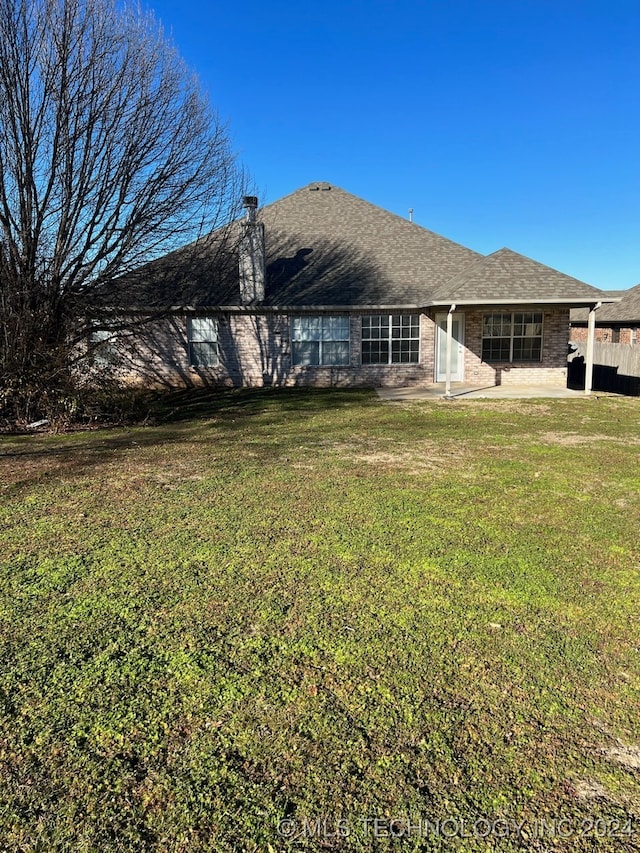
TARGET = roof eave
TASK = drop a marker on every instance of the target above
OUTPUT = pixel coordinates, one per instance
(283, 309)
(578, 301)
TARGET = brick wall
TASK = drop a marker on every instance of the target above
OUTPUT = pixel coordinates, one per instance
(608, 334)
(157, 355)
(371, 375)
(552, 368)
(258, 351)
(255, 350)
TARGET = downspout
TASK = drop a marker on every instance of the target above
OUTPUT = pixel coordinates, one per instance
(591, 336)
(447, 384)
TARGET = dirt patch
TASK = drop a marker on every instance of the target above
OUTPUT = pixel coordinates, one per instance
(571, 439)
(590, 789)
(520, 407)
(395, 460)
(419, 456)
(628, 756)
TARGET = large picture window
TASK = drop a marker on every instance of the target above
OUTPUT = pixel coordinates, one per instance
(391, 339)
(320, 340)
(203, 341)
(512, 336)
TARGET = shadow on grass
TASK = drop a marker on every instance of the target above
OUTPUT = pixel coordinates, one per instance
(227, 405)
(173, 418)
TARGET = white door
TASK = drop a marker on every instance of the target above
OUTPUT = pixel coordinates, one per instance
(457, 348)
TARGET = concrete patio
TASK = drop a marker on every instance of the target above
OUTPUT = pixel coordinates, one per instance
(462, 391)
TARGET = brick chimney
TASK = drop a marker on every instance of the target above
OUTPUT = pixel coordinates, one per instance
(251, 255)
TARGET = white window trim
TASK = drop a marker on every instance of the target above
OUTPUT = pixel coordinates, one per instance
(102, 345)
(390, 340)
(191, 341)
(320, 341)
(511, 338)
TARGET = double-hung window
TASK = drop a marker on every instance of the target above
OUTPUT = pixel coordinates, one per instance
(202, 333)
(320, 340)
(104, 352)
(510, 337)
(391, 339)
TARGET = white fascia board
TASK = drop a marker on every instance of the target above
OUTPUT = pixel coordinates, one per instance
(578, 301)
(297, 309)
(354, 309)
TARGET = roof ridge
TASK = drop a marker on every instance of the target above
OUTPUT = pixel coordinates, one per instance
(542, 264)
(381, 210)
(506, 273)
(476, 262)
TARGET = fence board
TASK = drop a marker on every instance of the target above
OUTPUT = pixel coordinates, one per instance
(616, 367)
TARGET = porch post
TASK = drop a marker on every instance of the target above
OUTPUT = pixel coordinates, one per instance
(591, 336)
(447, 384)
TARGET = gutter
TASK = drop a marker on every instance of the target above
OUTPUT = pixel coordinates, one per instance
(260, 309)
(580, 302)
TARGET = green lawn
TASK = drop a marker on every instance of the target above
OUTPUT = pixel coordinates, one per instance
(316, 608)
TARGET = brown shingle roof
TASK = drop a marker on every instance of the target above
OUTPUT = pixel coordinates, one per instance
(506, 275)
(327, 247)
(625, 311)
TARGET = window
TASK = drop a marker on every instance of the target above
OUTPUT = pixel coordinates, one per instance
(512, 336)
(104, 352)
(203, 341)
(391, 339)
(320, 340)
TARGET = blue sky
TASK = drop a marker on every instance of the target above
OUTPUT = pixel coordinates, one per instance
(500, 122)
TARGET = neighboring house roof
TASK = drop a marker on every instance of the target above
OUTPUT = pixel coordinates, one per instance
(625, 311)
(328, 248)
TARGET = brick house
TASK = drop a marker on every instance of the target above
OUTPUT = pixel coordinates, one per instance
(615, 323)
(323, 288)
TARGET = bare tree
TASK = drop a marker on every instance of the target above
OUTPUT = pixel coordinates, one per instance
(110, 155)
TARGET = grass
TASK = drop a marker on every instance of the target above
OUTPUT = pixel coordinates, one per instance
(316, 608)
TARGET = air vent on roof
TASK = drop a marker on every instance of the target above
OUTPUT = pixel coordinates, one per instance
(319, 186)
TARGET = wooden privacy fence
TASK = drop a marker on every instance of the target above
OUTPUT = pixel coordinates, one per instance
(616, 367)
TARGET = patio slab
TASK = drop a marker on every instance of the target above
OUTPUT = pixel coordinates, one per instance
(475, 392)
